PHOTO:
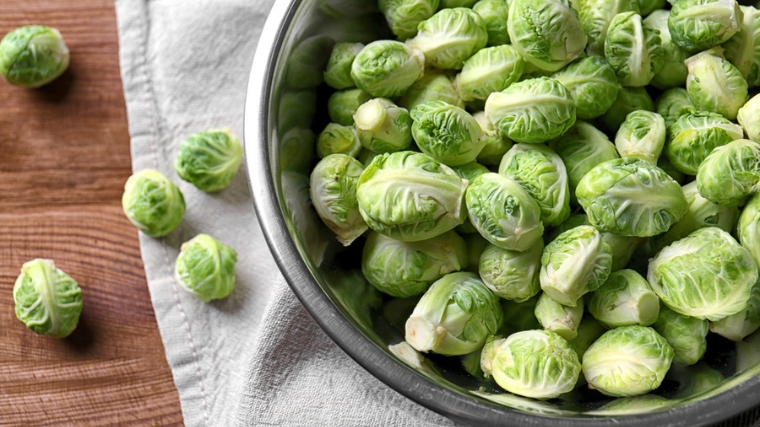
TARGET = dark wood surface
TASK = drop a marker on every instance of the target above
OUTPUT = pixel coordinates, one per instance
(64, 158)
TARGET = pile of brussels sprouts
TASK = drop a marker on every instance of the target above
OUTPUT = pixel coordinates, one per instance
(571, 188)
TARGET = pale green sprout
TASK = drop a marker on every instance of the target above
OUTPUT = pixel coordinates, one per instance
(47, 300)
(454, 317)
(673, 103)
(495, 146)
(295, 150)
(743, 49)
(748, 118)
(627, 361)
(209, 160)
(625, 299)
(577, 262)
(633, 49)
(386, 68)
(695, 135)
(696, 25)
(427, 202)
(592, 84)
(205, 268)
(644, 404)
(403, 16)
(495, 14)
(337, 74)
(338, 139)
(748, 227)
(446, 133)
(405, 269)
(673, 72)
(383, 126)
(307, 61)
(510, 274)
(342, 105)
(532, 111)
(559, 318)
(33, 56)
(686, 335)
(547, 33)
(535, 363)
(629, 99)
(332, 188)
(503, 212)
(433, 86)
(738, 326)
(706, 275)
(714, 84)
(152, 203)
(642, 135)
(449, 37)
(596, 15)
(730, 173)
(519, 316)
(489, 70)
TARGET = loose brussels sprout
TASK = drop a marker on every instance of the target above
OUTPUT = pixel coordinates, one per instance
(338, 71)
(627, 361)
(748, 227)
(631, 197)
(433, 86)
(537, 364)
(730, 174)
(503, 212)
(629, 99)
(592, 84)
(696, 25)
(642, 135)
(738, 326)
(706, 275)
(296, 149)
(495, 14)
(333, 194)
(693, 137)
(743, 49)
(342, 105)
(559, 318)
(428, 201)
(532, 111)
(48, 301)
(596, 15)
(625, 299)
(509, 274)
(519, 316)
(633, 49)
(673, 103)
(577, 262)
(205, 268)
(382, 126)
(686, 335)
(748, 118)
(152, 203)
(539, 170)
(454, 317)
(449, 37)
(386, 68)
(495, 144)
(588, 331)
(489, 70)
(209, 160)
(33, 56)
(673, 72)
(403, 16)
(714, 84)
(446, 133)
(405, 269)
(338, 139)
(307, 61)
(547, 33)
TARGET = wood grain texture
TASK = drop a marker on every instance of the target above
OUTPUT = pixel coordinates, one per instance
(64, 158)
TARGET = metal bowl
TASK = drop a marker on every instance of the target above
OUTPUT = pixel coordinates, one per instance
(285, 105)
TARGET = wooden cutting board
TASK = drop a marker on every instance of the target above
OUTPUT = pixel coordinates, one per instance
(64, 158)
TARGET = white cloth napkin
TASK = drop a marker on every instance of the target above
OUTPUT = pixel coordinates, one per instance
(256, 357)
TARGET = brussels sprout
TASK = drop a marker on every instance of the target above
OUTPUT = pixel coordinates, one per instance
(433, 86)
(748, 227)
(633, 49)
(509, 274)
(338, 139)
(338, 71)
(333, 194)
(738, 326)
(519, 316)
(403, 16)
(650, 6)
(532, 111)
(426, 202)
(205, 268)
(539, 170)
(629, 99)
(631, 197)
(446, 133)
(592, 84)
(596, 15)
(382, 126)
(686, 335)
(558, 318)
(588, 331)
(642, 135)
(625, 299)
(537, 364)
(730, 173)
(342, 105)
(714, 84)
(673, 72)
(454, 317)
(48, 301)
(405, 269)
(209, 160)
(471, 364)
(694, 135)
(296, 149)
(706, 275)
(645, 404)
(627, 361)
(697, 25)
(366, 157)
(577, 262)
(495, 15)
(307, 61)
(33, 56)
(489, 70)
(449, 37)
(748, 118)
(495, 144)
(152, 203)
(672, 104)
(547, 33)
(503, 212)
(386, 68)
(743, 49)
